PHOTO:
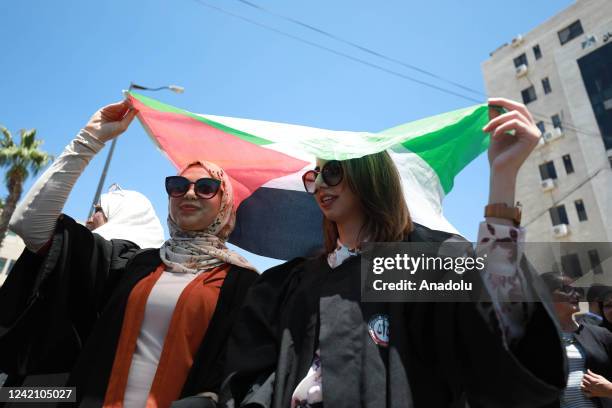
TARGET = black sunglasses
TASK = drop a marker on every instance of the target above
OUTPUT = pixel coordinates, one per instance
(206, 188)
(331, 172)
(570, 290)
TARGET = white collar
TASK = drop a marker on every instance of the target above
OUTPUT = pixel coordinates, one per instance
(341, 254)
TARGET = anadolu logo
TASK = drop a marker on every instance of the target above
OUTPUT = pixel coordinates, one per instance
(378, 327)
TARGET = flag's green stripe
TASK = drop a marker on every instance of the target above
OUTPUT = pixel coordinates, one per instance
(162, 107)
(449, 149)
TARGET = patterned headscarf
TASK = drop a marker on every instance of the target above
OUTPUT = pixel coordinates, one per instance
(198, 251)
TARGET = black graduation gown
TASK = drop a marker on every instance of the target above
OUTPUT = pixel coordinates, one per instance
(438, 354)
(63, 312)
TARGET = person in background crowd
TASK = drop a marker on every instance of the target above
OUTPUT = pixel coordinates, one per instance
(588, 349)
(128, 215)
(606, 308)
(594, 314)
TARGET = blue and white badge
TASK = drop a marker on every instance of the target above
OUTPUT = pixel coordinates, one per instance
(378, 327)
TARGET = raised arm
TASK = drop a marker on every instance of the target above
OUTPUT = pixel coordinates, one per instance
(35, 217)
(514, 135)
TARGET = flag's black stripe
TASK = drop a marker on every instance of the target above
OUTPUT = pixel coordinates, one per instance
(281, 224)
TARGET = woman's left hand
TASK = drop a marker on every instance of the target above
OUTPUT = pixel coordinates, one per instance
(595, 385)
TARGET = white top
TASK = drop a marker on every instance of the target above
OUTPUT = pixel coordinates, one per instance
(573, 397)
(158, 314)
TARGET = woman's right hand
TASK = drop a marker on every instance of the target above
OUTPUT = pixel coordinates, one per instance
(111, 121)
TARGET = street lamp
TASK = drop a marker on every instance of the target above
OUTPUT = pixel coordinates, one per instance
(174, 88)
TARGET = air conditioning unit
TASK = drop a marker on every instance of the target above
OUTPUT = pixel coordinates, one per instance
(518, 40)
(557, 133)
(541, 142)
(561, 230)
(589, 42)
(521, 70)
(548, 184)
(551, 135)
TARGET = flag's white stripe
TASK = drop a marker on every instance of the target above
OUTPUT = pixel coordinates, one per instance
(337, 144)
(291, 181)
(422, 190)
(316, 142)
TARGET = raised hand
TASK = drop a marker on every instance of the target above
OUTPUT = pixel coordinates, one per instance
(514, 135)
(111, 121)
(508, 151)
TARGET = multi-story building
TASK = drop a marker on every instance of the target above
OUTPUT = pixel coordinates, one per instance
(562, 71)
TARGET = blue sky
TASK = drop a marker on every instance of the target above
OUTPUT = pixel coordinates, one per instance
(62, 60)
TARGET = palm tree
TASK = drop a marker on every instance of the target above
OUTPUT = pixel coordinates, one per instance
(23, 160)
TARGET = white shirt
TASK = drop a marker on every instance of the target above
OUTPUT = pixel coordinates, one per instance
(150, 343)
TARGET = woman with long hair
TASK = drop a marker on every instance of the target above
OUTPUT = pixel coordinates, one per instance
(132, 327)
(306, 339)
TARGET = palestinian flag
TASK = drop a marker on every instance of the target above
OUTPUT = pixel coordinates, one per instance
(265, 161)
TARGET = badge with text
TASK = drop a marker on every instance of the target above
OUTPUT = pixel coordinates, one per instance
(378, 327)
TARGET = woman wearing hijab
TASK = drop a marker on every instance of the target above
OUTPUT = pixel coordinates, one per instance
(305, 338)
(588, 349)
(133, 327)
(128, 215)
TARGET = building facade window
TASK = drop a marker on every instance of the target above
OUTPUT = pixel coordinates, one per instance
(546, 86)
(567, 163)
(520, 60)
(558, 215)
(529, 95)
(537, 53)
(556, 121)
(570, 32)
(541, 126)
(547, 170)
(595, 261)
(596, 70)
(580, 210)
(571, 265)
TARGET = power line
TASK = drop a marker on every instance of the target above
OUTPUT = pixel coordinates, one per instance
(339, 53)
(362, 48)
(572, 191)
(568, 125)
